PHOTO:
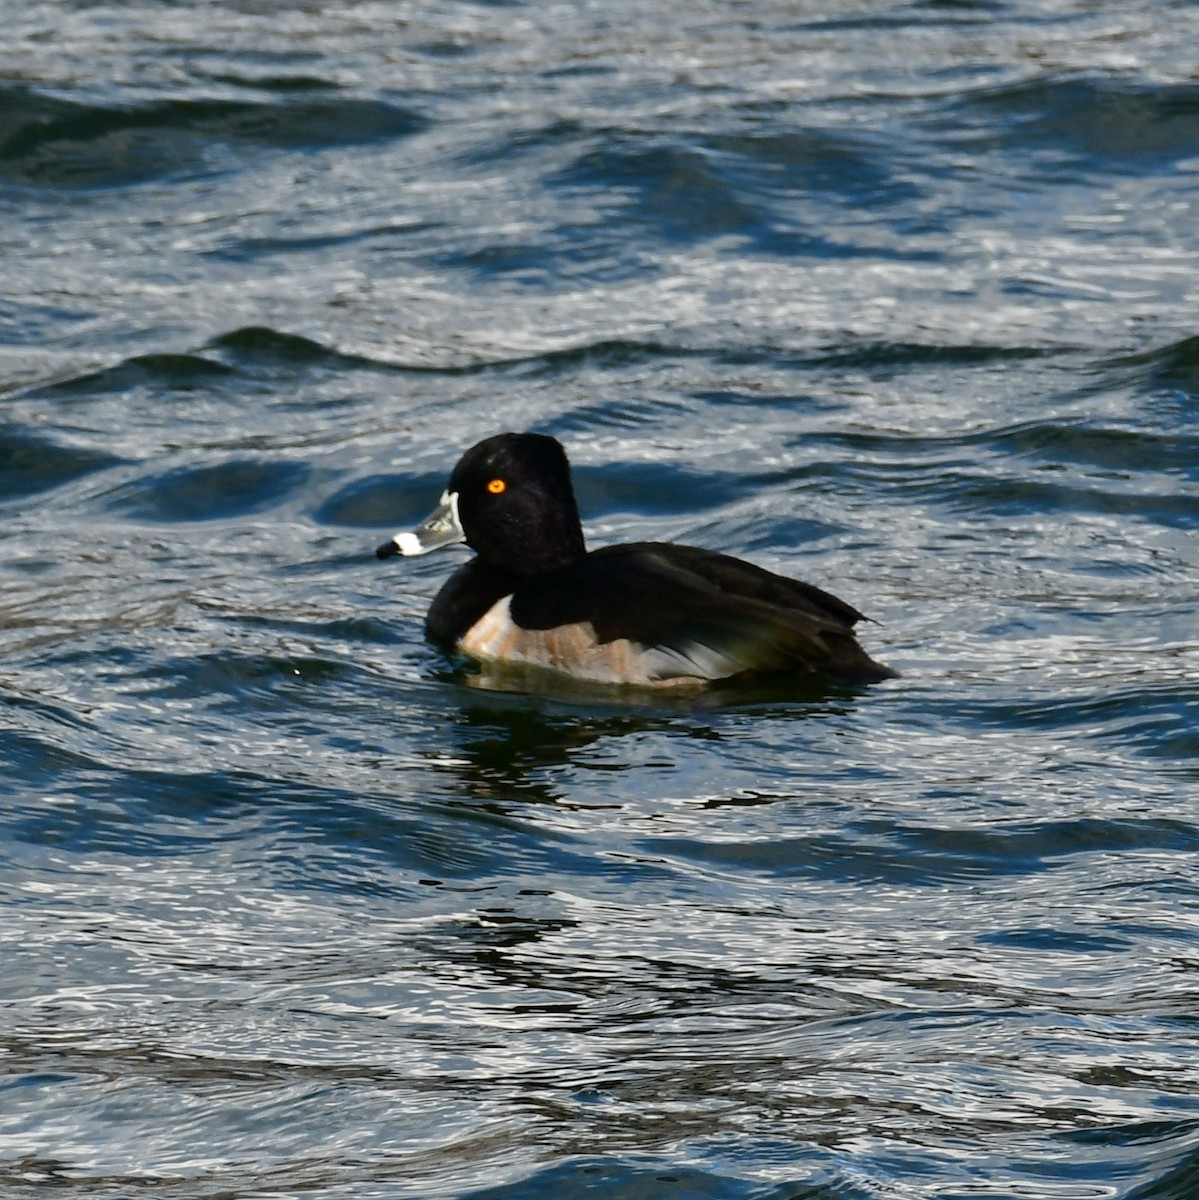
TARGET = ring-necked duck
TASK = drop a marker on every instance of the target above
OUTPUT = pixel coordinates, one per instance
(646, 613)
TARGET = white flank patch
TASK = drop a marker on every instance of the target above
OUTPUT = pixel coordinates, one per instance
(573, 650)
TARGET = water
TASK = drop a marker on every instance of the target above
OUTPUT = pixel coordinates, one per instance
(897, 298)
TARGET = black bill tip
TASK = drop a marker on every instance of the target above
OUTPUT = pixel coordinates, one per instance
(389, 549)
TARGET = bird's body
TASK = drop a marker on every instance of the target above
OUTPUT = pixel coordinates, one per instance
(649, 614)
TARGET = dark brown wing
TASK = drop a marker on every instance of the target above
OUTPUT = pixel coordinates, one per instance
(699, 613)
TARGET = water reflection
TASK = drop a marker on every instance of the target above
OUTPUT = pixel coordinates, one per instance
(880, 299)
(515, 735)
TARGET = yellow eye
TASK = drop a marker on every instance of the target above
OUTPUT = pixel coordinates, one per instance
(496, 486)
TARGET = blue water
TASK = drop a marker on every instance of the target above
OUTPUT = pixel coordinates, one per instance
(898, 298)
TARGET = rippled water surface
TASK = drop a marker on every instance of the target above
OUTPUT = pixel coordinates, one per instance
(898, 298)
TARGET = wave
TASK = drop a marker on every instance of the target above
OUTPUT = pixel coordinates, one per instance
(50, 142)
(31, 464)
(1101, 120)
(237, 488)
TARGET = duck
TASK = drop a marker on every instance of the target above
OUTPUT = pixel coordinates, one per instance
(640, 614)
